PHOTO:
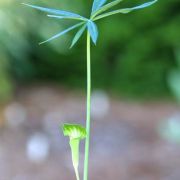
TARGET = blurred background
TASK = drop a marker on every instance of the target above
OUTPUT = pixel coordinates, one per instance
(135, 98)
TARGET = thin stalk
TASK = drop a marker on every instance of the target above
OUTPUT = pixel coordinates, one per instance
(88, 113)
(77, 174)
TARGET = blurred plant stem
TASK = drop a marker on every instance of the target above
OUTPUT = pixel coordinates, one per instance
(6, 84)
(88, 115)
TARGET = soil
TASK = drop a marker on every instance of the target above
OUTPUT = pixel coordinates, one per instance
(126, 139)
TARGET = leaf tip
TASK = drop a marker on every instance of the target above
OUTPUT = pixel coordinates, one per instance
(71, 46)
(40, 43)
(25, 4)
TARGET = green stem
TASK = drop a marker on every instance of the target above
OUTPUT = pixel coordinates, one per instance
(74, 143)
(88, 115)
(77, 174)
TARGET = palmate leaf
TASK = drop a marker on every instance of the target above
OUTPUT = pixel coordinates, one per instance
(62, 32)
(97, 4)
(78, 35)
(56, 11)
(125, 10)
(93, 31)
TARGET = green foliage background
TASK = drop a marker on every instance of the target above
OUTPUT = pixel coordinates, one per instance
(133, 56)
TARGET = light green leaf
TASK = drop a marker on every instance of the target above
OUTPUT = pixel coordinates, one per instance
(76, 133)
(125, 10)
(62, 33)
(78, 35)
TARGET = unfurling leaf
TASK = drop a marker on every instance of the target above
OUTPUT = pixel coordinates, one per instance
(75, 133)
(93, 31)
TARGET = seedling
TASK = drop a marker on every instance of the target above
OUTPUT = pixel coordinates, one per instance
(100, 9)
(75, 133)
